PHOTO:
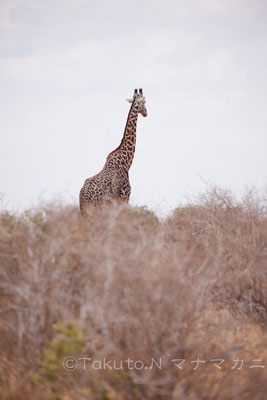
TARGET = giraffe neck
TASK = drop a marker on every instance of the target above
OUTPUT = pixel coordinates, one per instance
(127, 146)
(129, 137)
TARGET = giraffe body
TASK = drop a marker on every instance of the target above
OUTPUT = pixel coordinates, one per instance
(112, 184)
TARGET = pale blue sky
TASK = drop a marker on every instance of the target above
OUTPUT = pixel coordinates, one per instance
(67, 66)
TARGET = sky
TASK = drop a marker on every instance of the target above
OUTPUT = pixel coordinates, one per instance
(66, 67)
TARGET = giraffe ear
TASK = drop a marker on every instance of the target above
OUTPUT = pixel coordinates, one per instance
(129, 100)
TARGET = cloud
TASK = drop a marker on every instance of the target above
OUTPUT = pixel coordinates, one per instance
(223, 65)
(6, 8)
(56, 66)
(147, 55)
(247, 8)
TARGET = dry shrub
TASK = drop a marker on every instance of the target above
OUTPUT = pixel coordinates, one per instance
(193, 286)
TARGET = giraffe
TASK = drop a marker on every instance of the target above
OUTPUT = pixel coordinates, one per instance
(112, 184)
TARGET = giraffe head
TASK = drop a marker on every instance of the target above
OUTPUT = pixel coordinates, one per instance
(139, 102)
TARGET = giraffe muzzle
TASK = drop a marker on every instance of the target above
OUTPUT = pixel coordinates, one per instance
(144, 112)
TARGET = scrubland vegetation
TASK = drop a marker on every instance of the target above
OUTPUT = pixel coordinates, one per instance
(125, 286)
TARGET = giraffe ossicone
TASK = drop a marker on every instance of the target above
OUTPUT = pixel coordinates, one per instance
(112, 184)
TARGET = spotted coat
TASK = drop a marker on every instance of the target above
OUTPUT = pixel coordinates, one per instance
(112, 184)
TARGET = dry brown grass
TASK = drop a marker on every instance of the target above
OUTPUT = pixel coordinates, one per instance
(123, 285)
